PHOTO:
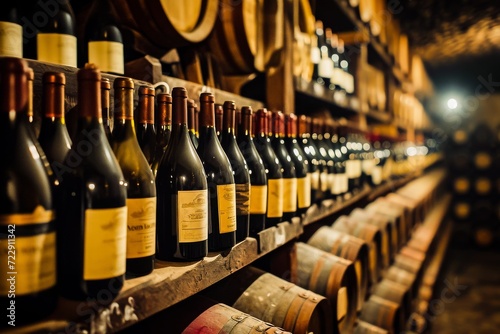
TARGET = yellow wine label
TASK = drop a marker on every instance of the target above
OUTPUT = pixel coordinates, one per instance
(342, 302)
(192, 215)
(38, 216)
(242, 199)
(274, 198)
(461, 185)
(367, 166)
(226, 203)
(482, 160)
(353, 168)
(462, 209)
(108, 56)
(304, 191)
(331, 182)
(28, 264)
(377, 175)
(289, 195)
(258, 199)
(314, 180)
(483, 186)
(56, 48)
(141, 227)
(11, 40)
(105, 243)
(323, 181)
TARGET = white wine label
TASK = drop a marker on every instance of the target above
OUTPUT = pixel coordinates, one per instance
(342, 302)
(461, 185)
(192, 215)
(274, 198)
(483, 186)
(56, 48)
(325, 67)
(105, 243)
(314, 180)
(141, 227)
(243, 199)
(31, 261)
(337, 76)
(258, 199)
(353, 168)
(289, 195)
(482, 160)
(367, 166)
(108, 56)
(377, 175)
(11, 40)
(323, 181)
(304, 191)
(226, 200)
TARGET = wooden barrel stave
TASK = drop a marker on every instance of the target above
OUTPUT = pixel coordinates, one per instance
(363, 327)
(383, 313)
(397, 293)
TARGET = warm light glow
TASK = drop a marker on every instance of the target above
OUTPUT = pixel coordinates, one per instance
(452, 104)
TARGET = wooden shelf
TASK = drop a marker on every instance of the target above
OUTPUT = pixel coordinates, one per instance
(380, 117)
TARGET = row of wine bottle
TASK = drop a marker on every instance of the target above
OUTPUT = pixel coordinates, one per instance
(81, 213)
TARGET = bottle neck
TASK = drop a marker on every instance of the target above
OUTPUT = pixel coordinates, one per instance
(146, 109)
(89, 99)
(53, 100)
(124, 112)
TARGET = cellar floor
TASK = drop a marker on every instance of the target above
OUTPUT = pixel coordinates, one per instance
(467, 295)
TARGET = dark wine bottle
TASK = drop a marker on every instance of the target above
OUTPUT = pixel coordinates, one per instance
(328, 172)
(107, 118)
(146, 132)
(301, 164)
(311, 153)
(103, 41)
(287, 165)
(181, 187)
(220, 180)
(341, 182)
(54, 138)
(33, 120)
(240, 170)
(11, 38)
(27, 227)
(163, 128)
(192, 121)
(55, 40)
(353, 162)
(257, 172)
(139, 180)
(274, 210)
(92, 220)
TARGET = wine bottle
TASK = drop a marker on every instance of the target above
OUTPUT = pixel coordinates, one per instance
(311, 153)
(301, 164)
(192, 120)
(139, 180)
(219, 116)
(11, 38)
(287, 165)
(55, 40)
(326, 176)
(220, 180)
(34, 122)
(92, 220)
(181, 188)
(353, 163)
(163, 128)
(240, 170)
(107, 118)
(27, 227)
(146, 133)
(103, 41)
(257, 172)
(54, 138)
(341, 183)
(272, 165)
(368, 161)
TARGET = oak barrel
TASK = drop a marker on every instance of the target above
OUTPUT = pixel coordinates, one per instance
(330, 276)
(363, 327)
(369, 233)
(348, 247)
(280, 302)
(222, 318)
(395, 212)
(411, 205)
(395, 292)
(383, 313)
(403, 277)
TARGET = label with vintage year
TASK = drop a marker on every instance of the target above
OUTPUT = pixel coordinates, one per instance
(226, 204)
(274, 198)
(141, 227)
(108, 56)
(11, 40)
(105, 243)
(192, 215)
(258, 199)
(304, 192)
(56, 48)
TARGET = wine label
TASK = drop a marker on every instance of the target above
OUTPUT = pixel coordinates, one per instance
(11, 40)
(353, 168)
(258, 199)
(289, 195)
(226, 200)
(342, 302)
(314, 180)
(243, 199)
(345, 182)
(192, 215)
(323, 181)
(108, 56)
(377, 175)
(56, 48)
(482, 160)
(331, 182)
(304, 191)
(349, 83)
(337, 76)
(38, 216)
(325, 67)
(274, 198)
(461, 185)
(367, 166)
(105, 243)
(30, 261)
(483, 186)
(315, 55)
(141, 227)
